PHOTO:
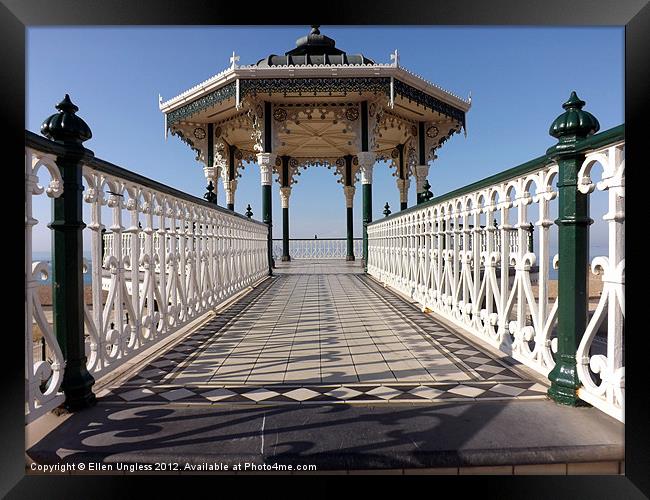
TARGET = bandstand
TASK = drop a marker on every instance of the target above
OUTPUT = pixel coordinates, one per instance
(453, 349)
(315, 105)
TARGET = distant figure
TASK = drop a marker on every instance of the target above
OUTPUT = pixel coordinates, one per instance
(315, 236)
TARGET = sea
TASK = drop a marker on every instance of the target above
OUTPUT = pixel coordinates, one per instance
(47, 256)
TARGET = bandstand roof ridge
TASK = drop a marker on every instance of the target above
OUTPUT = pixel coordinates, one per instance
(254, 71)
(352, 66)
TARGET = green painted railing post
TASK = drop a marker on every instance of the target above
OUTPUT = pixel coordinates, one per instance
(367, 219)
(570, 128)
(285, 193)
(67, 252)
(348, 190)
(266, 162)
(366, 163)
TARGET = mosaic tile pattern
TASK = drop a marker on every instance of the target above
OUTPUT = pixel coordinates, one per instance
(368, 394)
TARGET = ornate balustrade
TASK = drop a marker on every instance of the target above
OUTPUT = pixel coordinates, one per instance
(43, 374)
(209, 255)
(454, 272)
(326, 248)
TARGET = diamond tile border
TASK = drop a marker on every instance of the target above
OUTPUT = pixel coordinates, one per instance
(325, 394)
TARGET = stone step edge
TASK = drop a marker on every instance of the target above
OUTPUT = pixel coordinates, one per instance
(416, 459)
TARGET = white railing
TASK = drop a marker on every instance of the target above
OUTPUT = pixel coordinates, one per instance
(420, 254)
(603, 375)
(210, 255)
(43, 377)
(326, 248)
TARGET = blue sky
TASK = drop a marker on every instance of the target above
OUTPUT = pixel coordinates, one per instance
(518, 78)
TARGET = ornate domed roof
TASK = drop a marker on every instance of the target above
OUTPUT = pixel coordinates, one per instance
(313, 49)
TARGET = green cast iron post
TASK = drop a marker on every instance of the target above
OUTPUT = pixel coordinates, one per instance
(267, 219)
(67, 253)
(285, 235)
(367, 219)
(349, 209)
(350, 236)
(573, 223)
(267, 216)
(284, 178)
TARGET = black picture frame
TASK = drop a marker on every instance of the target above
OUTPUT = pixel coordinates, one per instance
(17, 15)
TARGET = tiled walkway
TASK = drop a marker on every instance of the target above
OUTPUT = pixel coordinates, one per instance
(323, 332)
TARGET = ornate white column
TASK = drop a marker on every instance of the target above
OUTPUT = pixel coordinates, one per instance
(229, 186)
(349, 196)
(403, 187)
(421, 173)
(266, 161)
(212, 174)
(366, 164)
(285, 192)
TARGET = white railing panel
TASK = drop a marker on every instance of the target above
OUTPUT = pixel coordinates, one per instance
(602, 374)
(443, 257)
(318, 249)
(43, 374)
(208, 256)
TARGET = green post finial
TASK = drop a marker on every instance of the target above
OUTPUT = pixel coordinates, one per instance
(65, 126)
(574, 123)
(249, 211)
(210, 196)
(387, 211)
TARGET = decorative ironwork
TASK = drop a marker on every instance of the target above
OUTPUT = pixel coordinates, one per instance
(213, 98)
(432, 131)
(428, 101)
(318, 248)
(352, 114)
(179, 133)
(279, 114)
(313, 85)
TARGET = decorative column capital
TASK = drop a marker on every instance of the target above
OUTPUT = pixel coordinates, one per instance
(367, 161)
(266, 161)
(285, 192)
(403, 186)
(349, 195)
(229, 186)
(421, 173)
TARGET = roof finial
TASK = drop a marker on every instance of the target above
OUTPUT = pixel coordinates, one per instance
(314, 29)
(395, 58)
(233, 60)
